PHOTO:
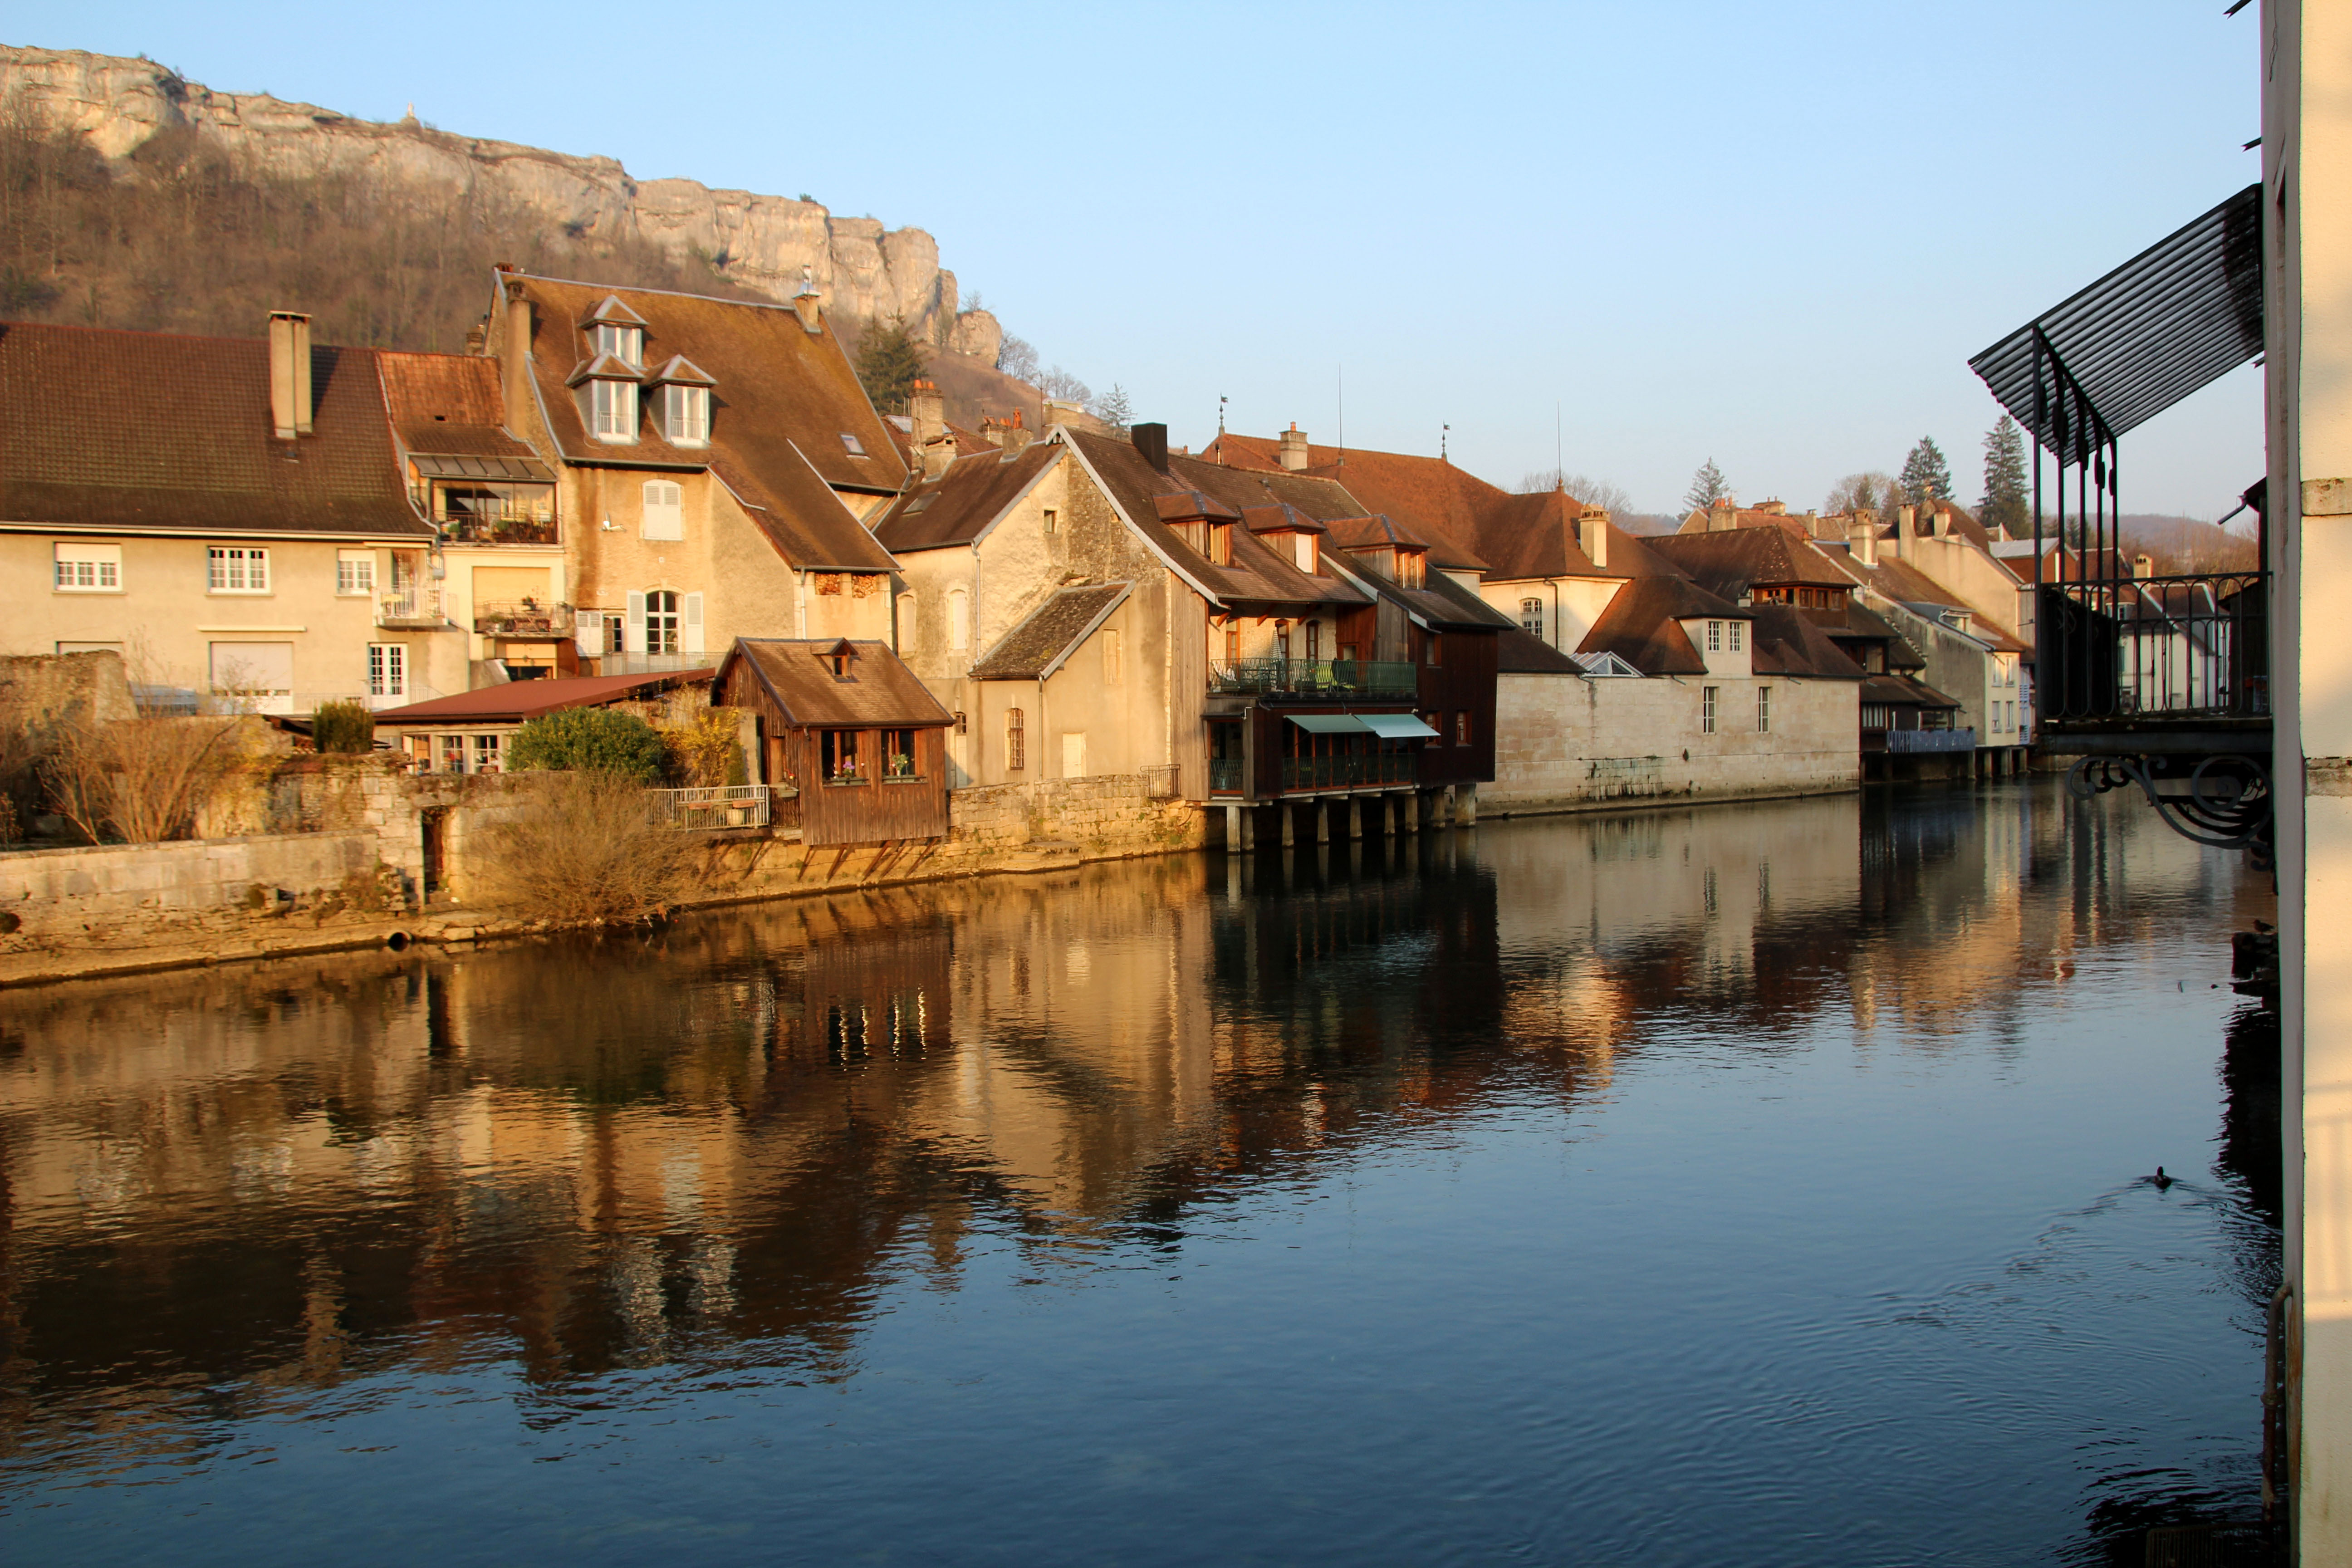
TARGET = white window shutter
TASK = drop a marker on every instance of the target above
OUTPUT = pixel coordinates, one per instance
(689, 630)
(633, 636)
(588, 633)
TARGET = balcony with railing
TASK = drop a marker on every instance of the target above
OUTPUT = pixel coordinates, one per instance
(2141, 665)
(522, 619)
(1924, 743)
(1331, 680)
(417, 605)
(728, 805)
(1224, 775)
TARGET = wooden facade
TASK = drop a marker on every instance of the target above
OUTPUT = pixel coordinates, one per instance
(852, 728)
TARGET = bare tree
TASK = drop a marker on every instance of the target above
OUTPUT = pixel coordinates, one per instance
(1860, 492)
(1613, 498)
(1016, 359)
(585, 848)
(139, 780)
(1061, 384)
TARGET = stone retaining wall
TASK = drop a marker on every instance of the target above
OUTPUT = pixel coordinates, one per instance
(102, 892)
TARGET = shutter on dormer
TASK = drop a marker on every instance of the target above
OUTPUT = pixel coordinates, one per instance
(632, 638)
(690, 629)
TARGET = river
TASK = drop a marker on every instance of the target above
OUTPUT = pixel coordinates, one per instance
(1754, 1184)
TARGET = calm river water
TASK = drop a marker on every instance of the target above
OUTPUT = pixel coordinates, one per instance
(1750, 1184)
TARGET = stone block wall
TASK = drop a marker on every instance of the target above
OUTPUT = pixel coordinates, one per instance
(1104, 816)
(1566, 743)
(98, 892)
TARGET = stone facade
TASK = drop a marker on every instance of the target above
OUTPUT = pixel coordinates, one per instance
(1564, 743)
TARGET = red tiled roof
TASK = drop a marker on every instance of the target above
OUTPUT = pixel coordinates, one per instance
(1641, 625)
(133, 431)
(881, 690)
(447, 405)
(958, 506)
(519, 700)
(1731, 561)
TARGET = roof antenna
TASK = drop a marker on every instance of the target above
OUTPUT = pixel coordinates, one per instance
(1343, 460)
(1558, 451)
(1221, 429)
(1442, 429)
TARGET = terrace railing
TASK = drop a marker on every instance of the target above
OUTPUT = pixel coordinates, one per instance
(728, 805)
(1362, 770)
(1224, 775)
(2144, 654)
(1919, 741)
(1336, 680)
(499, 528)
(525, 618)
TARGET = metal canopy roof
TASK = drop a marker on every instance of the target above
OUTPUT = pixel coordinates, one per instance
(1398, 727)
(2173, 318)
(440, 468)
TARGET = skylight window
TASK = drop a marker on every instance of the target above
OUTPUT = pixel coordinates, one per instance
(855, 448)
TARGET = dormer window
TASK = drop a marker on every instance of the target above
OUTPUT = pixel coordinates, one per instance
(1300, 549)
(625, 344)
(1412, 568)
(613, 410)
(839, 657)
(1220, 544)
(686, 415)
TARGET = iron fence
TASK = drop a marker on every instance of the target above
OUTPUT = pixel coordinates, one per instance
(1159, 781)
(2148, 649)
(1224, 775)
(1338, 680)
(727, 805)
(1927, 740)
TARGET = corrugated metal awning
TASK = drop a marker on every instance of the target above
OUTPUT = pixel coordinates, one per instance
(1397, 727)
(2175, 318)
(530, 470)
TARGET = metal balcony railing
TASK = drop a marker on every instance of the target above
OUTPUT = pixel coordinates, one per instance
(1362, 770)
(499, 528)
(413, 607)
(1337, 680)
(728, 805)
(2149, 653)
(1927, 740)
(526, 619)
(1224, 775)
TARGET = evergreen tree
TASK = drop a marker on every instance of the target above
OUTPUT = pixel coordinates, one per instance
(1706, 488)
(1925, 476)
(2006, 498)
(1113, 410)
(889, 361)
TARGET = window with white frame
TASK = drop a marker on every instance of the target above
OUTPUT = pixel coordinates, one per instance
(387, 669)
(1715, 637)
(1763, 710)
(1706, 704)
(686, 415)
(354, 572)
(664, 514)
(236, 569)
(622, 342)
(1737, 632)
(88, 568)
(613, 410)
(661, 622)
(1531, 617)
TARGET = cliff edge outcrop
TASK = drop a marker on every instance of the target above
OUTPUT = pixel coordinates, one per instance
(762, 243)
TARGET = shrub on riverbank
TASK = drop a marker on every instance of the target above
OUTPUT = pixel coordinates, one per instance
(347, 728)
(590, 741)
(584, 850)
(139, 780)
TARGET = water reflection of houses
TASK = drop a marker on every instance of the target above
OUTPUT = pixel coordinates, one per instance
(744, 1133)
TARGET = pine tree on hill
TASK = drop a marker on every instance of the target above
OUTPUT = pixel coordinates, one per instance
(1925, 476)
(889, 361)
(2006, 501)
(1706, 488)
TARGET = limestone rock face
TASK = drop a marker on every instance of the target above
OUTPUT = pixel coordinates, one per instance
(764, 243)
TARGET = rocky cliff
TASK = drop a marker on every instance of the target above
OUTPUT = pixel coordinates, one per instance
(766, 243)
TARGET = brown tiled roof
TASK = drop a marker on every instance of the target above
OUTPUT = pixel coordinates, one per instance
(1784, 642)
(1321, 497)
(957, 507)
(519, 700)
(1640, 624)
(1441, 602)
(1536, 535)
(1429, 493)
(1044, 636)
(1730, 561)
(1256, 575)
(130, 431)
(447, 405)
(1279, 517)
(1518, 653)
(880, 691)
(1377, 532)
(1903, 690)
(1862, 624)
(807, 523)
(1182, 506)
(783, 399)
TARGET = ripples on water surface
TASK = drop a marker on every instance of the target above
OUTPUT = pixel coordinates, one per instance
(1748, 1185)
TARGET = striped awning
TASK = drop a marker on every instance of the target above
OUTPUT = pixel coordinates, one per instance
(2176, 316)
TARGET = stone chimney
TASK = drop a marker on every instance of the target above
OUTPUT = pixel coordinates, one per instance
(928, 427)
(514, 368)
(1592, 536)
(1943, 515)
(1294, 448)
(1905, 519)
(1063, 411)
(1722, 512)
(2143, 565)
(289, 373)
(1862, 538)
(805, 302)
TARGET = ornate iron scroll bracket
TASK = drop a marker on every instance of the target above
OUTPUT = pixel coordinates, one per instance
(2223, 801)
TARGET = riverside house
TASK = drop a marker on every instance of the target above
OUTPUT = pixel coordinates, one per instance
(227, 513)
(850, 725)
(714, 464)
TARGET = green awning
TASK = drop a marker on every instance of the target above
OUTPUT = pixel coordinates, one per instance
(1329, 723)
(1396, 726)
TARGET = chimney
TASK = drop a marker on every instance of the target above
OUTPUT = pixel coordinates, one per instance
(1294, 448)
(1151, 440)
(289, 373)
(1943, 521)
(1063, 411)
(1722, 513)
(514, 370)
(804, 304)
(1592, 536)
(1862, 538)
(1905, 519)
(2143, 565)
(478, 338)
(928, 427)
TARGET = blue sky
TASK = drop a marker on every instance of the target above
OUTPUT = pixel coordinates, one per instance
(1771, 235)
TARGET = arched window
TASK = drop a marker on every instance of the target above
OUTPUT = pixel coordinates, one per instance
(1016, 746)
(1531, 617)
(910, 628)
(661, 622)
(959, 619)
